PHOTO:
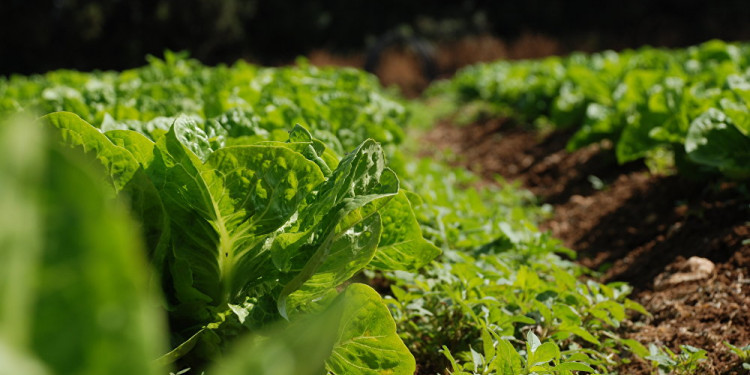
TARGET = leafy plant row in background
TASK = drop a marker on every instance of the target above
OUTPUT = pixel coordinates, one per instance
(341, 107)
(247, 220)
(688, 107)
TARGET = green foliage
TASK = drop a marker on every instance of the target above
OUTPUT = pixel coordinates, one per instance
(742, 352)
(714, 140)
(73, 280)
(342, 340)
(500, 357)
(244, 222)
(669, 362)
(402, 246)
(643, 100)
(297, 348)
(368, 329)
(498, 278)
(253, 227)
(241, 103)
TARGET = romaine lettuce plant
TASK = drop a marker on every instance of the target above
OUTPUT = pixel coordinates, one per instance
(245, 235)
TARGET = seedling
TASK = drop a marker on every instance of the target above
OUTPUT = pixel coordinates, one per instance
(668, 362)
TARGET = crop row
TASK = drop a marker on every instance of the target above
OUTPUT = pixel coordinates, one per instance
(686, 109)
(235, 235)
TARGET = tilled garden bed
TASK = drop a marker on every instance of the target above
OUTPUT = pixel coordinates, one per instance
(681, 244)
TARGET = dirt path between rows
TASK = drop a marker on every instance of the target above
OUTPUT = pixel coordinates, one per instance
(683, 245)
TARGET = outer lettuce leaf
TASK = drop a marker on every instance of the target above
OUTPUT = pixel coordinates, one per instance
(300, 140)
(713, 140)
(22, 170)
(348, 252)
(739, 113)
(85, 306)
(145, 202)
(122, 154)
(341, 211)
(401, 245)
(600, 122)
(367, 342)
(355, 335)
(153, 129)
(136, 143)
(300, 348)
(661, 120)
(569, 107)
(592, 84)
(635, 140)
(117, 161)
(192, 136)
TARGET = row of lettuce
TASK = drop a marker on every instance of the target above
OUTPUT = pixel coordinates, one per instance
(248, 199)
(688, 108)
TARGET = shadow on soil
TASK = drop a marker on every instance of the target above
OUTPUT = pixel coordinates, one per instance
(632, 227)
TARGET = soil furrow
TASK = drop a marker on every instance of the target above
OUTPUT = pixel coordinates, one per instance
(682, 244)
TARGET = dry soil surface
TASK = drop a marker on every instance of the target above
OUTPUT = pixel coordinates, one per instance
(682, 244)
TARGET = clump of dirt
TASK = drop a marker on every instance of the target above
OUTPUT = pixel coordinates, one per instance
(635, 227)
(703, 313)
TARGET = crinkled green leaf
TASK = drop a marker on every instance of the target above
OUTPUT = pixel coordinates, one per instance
(136, 143)
(300, 348)
(225, 213)
(367, 342)
(714, 140)
(356, 190)
(635, 140)
(738, 113)
(119, 163)
(348, 253)
(192, 136)
(402, 246)
(152, 129)
(301, 140)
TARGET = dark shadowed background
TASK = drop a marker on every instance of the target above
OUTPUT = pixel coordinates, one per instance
(40, 35)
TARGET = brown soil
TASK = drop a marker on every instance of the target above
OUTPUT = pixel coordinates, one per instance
(635, 227)
(455, 54)
(400, 66)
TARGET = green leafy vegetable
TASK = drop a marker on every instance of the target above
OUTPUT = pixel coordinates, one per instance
(714, 140)
(368, 329)
(81, 303)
